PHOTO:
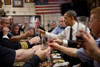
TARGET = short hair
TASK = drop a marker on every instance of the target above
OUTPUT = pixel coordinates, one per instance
(96, 12)
(14, 25)
(3, 19)
(71, 13)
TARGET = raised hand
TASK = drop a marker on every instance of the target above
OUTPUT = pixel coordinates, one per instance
(89, 44)
(5, 30)
(41, 31)
(29, 33)
(43, 54)
(57, 40)
(54, 44)
(34, 40)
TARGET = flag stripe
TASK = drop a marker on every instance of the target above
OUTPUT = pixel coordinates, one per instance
(49, 6)
(47, 12)
(54, 6)
(56, 3)
(46, 9)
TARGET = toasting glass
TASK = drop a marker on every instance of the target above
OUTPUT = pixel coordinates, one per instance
(44, 42)
(82, 25)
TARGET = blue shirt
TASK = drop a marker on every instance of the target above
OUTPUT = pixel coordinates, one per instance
(58, 30)
(85, 58)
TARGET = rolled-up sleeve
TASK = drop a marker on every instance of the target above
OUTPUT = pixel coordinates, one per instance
(83, 56)
(65, 43)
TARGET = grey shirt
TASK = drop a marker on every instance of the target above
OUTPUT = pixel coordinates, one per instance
(85, 58)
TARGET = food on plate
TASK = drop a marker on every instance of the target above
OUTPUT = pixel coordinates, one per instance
(56, 54)
(58, 61)
(46, 64)
(54, 51)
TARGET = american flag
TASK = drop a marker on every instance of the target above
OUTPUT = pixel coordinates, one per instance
(48, 6)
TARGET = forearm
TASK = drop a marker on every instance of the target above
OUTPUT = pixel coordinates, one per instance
(68, 51)
(17, 38)
(23, 55)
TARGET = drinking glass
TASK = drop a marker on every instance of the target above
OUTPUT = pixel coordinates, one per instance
(50, 40)
(44, 42)
(82, 25)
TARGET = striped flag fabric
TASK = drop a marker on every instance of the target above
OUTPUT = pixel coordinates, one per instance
(48, 6)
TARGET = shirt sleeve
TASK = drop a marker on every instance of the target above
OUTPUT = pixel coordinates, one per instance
(16, 45)
(7, 57)
(33, 62)
(65, 43)
(5, 36)
(50, 35)
(83, 56)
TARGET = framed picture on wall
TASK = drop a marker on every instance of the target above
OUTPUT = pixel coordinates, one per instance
(7, 2)
(17, 3)
(29, 1)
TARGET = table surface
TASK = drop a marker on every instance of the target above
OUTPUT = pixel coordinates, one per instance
(54, 58)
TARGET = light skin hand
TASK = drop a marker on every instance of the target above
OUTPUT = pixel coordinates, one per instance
(54, 44)
(5, 31)
(41, 31)
(34, 40)
(29, 33)
(24, 55)
(66, 50)
(89, 44)
(36, 47)
(43, 54)
(58, 41)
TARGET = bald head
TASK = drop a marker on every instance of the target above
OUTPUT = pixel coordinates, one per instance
(61, 21)
(5, 22)
(37, 23)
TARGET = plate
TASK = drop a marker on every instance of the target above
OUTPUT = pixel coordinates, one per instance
(58, 61)
(55, 54)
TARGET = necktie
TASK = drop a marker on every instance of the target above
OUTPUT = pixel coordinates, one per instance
(70, 38)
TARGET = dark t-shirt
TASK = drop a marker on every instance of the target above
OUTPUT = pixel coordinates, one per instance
(10, 34)
(7, 57)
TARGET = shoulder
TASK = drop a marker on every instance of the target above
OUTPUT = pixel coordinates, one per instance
(67, 28)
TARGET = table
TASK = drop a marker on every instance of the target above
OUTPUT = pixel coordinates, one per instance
(54, 60)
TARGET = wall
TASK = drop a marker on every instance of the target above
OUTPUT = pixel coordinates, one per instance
(23, 13)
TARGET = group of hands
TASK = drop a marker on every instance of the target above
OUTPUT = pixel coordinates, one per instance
(88, 43)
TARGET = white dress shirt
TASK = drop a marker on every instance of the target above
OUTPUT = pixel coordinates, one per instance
(66, 33)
